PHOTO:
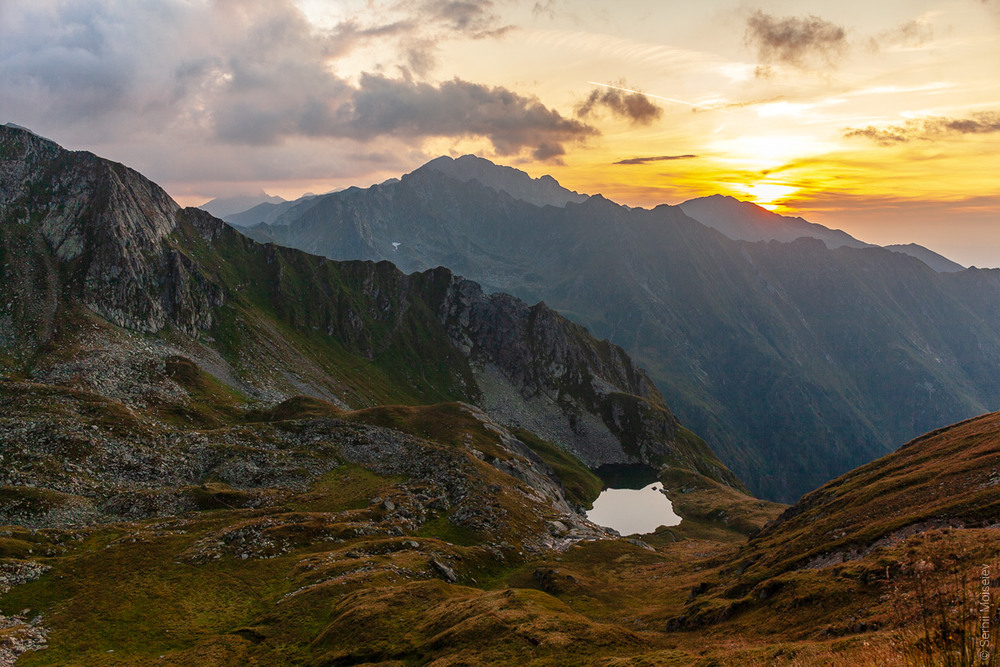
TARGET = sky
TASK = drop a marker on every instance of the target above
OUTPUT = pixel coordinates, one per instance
(879, 118)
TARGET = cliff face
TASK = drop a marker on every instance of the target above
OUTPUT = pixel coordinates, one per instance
(272, 322)
(558, 367)
(107, 229)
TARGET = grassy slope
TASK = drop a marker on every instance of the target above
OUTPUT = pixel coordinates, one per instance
(288, 304)
(581, 484)
(948, 477)
(325, 581)
(892, 546)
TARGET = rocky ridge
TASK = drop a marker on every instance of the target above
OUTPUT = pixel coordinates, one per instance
(121, 249)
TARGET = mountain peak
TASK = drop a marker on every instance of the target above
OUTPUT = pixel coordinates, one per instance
(746, 221)
(107, 225)
(221, 207)
(542, 191)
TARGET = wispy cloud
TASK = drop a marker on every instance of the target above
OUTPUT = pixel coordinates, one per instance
(659, 158)
(909, 34)
(928, 129)
(477, 19)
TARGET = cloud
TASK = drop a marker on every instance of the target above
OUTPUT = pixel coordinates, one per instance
(546, 7)
(796, 41)
(381, 106)
(257, 73)
(476, 19)
(909, 34)
(431, 22)
(928, 129)
(632, 106)
(660, 158)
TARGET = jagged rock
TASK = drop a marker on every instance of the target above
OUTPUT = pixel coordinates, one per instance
(446, 572)
(557, 528)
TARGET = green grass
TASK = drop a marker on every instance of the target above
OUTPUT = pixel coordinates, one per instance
(346, 487)
(443, 528)
(581, 484)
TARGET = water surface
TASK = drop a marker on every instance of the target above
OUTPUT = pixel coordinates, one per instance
(634, 511)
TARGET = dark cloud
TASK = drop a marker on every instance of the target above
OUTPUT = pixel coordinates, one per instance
(632, 106)
(928, 129)
(380, 106)
(660, 158)
(456, 108)
(801, 42)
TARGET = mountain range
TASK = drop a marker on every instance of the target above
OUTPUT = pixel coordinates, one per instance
(91, 249)
(218, 452)
(797, 360)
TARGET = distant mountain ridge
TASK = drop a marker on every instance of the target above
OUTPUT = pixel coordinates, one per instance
(936, 261)
(797, 361)
(744, 221)
(224, 206)
(266, 212)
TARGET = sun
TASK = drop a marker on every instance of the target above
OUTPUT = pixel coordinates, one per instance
(767, 194)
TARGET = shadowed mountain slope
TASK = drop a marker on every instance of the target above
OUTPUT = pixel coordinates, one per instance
(797, 361)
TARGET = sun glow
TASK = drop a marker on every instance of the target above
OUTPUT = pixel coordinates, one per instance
(766, 152)
(767, 194)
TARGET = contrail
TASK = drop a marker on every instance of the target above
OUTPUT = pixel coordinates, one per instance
(658, 97)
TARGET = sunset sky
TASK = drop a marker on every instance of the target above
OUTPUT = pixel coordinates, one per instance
(880, 118)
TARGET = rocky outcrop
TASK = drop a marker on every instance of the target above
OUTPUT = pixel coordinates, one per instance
(100, 229)
(598, 396)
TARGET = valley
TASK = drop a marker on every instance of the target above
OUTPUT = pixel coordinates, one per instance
(797, 356)
(217, 451)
